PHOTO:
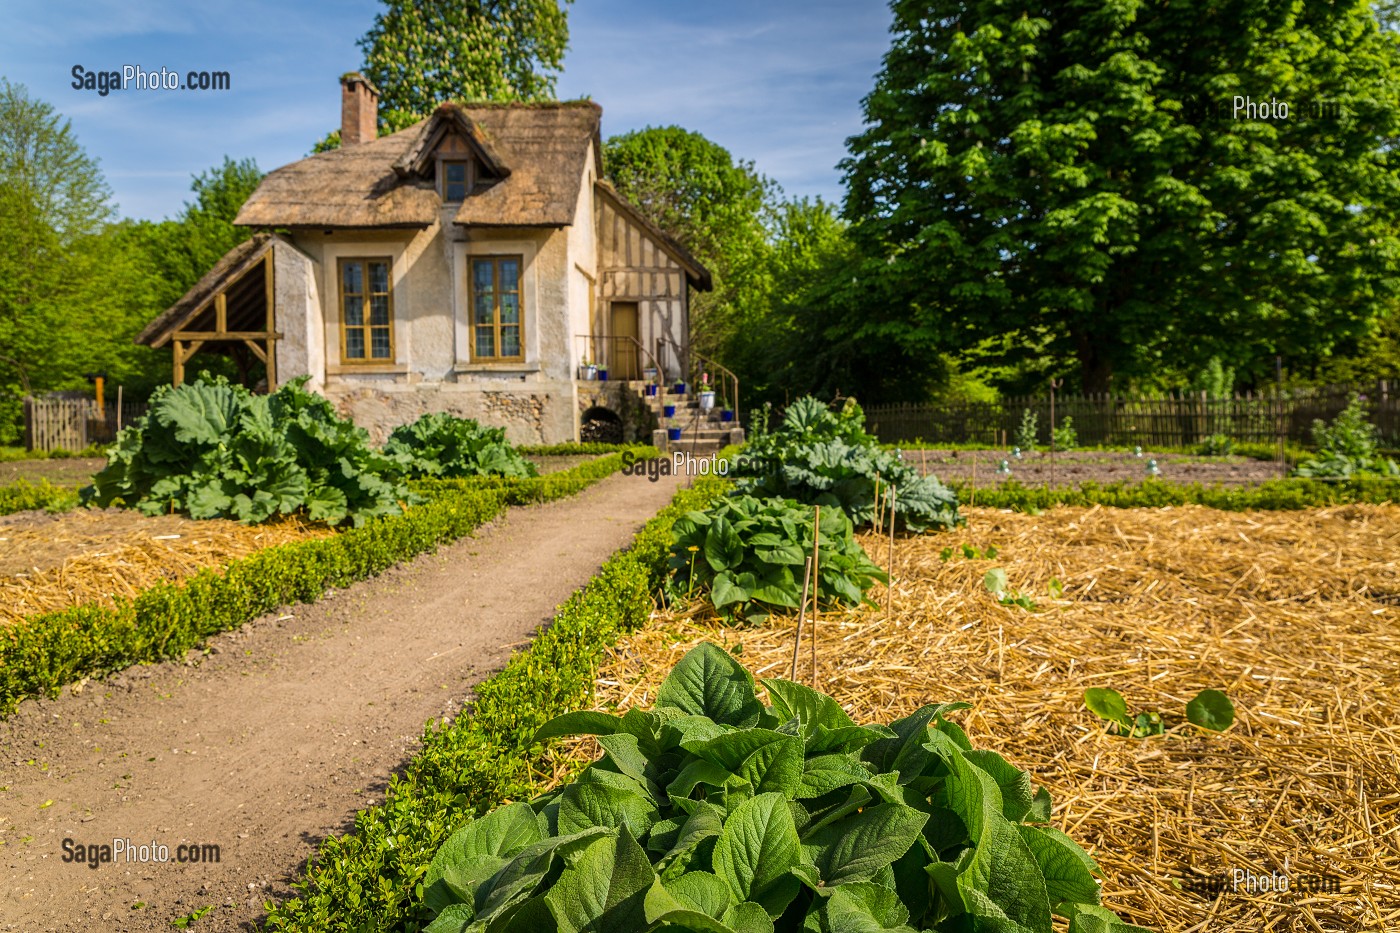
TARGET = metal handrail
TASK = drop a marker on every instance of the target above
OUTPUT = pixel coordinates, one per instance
(693, 363)
(592, 338)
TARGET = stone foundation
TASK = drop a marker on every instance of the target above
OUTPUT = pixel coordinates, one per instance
(540, 413)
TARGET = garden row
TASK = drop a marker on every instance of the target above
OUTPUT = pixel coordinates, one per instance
(41, 654)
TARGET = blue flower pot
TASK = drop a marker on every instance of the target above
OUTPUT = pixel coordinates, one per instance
(602, 374)
(669, 411)
(726, 415)
(651, 390)
(673, 434)
(680, 388)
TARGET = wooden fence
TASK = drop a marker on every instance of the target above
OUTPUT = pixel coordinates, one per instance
(1169, 421)
(74, 423)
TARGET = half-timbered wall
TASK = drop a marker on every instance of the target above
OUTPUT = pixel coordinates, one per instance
(634, 267)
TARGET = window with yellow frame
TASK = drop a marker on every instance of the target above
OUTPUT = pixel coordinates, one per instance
(366, 311)
(497, 320)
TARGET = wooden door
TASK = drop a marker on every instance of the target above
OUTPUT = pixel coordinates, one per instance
(625, 323)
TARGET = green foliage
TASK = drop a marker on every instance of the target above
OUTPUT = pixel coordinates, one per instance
(821, 458)
(749, 555)
(1347, 447)
(1209, 709)
(1217, 445)
(43, 652)
(717, 207)
(717, 814)
(12, 454)
(996, 583)
(22, 495)
(421, 53)
(1064, 436)
(571, 448)
(1284, 494)
(215, 450)
(373, 879)
(1028, 431)
(527, 491)
(1214, 379)
(443, 445)
(1071, 179)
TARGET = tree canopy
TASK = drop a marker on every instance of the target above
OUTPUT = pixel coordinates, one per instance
(1074, 181)
(423, 52)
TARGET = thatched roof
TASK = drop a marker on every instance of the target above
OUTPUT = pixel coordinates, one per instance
(699, 276)
(537, 151)
(195, 302)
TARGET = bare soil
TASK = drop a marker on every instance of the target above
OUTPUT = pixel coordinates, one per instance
(276, 735)
(73, 471)
(1077, 466)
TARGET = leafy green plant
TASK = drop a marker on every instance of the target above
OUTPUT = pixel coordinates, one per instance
(715, 813)
(969, 552)
(1217, 445)
(443, 445)
(996, 583)
(819, 457)
(215, 450)
(749, 554)
(1284, 494)
(1027, 433)
(1065, 436)
(1347, 447)
(1209, 709)
(191, 918)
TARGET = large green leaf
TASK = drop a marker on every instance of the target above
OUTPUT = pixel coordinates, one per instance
(757, 846)
(855, 847)
(477, 851)
(605, 889)
(585, 805)
(862, 907)
(1067, 869)
(708, 682)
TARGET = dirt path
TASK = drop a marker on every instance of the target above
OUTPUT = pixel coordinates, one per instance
(281, 731)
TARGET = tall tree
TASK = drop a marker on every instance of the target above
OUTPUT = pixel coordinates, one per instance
(423, 52)
(1075, 178)
(719, 208)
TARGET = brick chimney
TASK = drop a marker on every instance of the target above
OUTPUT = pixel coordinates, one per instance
(359, 110)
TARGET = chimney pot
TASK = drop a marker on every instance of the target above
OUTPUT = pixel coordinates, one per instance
(359, 110)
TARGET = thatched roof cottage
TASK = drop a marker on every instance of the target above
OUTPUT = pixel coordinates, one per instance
(471, 263)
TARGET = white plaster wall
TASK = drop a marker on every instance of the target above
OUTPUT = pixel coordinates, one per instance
(297, 316)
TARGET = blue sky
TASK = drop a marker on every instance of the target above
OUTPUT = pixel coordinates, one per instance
(778, 82)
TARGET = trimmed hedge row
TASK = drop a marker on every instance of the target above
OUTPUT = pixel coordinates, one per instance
(371, 879)
(546, 488)
(22, 495)
(573, 447)
(1282, 494)
(41, 654)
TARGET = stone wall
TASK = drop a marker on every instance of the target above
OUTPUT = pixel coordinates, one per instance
(531, 414)
(623, 400)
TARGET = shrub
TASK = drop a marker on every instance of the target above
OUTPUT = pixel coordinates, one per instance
(215, 450)
(1347, 447)
(22, 495)
(715, 813)
(439, 444)
(1217, 445)
(1064, 436)
(1027, 433)
(1157, 493)
(749, 554)
(821, 458)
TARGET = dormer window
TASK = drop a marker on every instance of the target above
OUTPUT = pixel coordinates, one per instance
(454, 180)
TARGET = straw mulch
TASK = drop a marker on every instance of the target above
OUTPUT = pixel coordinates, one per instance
(99, 556)
(1292, 614)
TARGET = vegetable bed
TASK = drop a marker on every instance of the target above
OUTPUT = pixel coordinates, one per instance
(1291, 614)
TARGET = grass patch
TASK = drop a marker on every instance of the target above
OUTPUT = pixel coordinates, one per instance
(22, 495)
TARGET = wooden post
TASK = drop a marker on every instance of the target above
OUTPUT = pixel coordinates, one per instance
(801, 615)
(271, 293)
(179, 374)
(119, 407)
(101, 398)
(889, 586)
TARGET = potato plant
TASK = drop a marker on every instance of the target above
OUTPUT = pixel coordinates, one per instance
(448, 447)
(715, 813)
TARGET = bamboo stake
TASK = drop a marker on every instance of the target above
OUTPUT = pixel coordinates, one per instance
(889, 586)
(875, 516)
(801, 616)
(816, 585)
(974, 480)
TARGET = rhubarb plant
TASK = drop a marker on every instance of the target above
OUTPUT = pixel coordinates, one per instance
(716, 813)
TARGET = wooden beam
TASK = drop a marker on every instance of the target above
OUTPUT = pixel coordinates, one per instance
(227, 335)
(220, 312)
(257, 350)
(179, 376)
(271, 291)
